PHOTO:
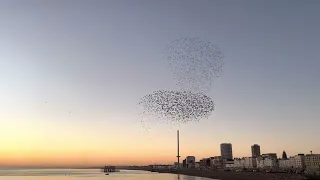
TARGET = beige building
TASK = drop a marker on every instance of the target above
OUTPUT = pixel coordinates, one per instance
(312, 160)
(285, 163)
(238, 163)
(299, 161)
(217, 161)
(250, 162)
(247, 162)
(268, 162)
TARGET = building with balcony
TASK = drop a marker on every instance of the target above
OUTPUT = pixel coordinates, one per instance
(285, 163)
(246, 162)
(312, 160)
(299, 161)
(267, 162)
(238, 163)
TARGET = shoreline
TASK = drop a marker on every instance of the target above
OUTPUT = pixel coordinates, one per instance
(223, 175)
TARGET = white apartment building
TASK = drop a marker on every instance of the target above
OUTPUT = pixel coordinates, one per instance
(247, 162)
(312, 160)
(250, 162)
(217, 161)
(299, 161)
(238, 163)
(292, 161)
(269, 162)
(285, 163)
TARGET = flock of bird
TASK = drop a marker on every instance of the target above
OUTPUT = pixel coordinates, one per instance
(177, 106)
(195, 64)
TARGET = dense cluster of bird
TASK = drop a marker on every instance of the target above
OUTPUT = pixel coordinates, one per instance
(195, 64)
(177, 106)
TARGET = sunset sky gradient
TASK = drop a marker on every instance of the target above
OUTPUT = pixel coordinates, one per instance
(73, 72)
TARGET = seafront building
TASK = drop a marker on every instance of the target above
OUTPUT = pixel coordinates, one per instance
(226, 151)
(267, 162)
(189, 162)
(255, 150)
(246, 162)
(206, 162)
(312, 160)
(217, 161)
(299, 161)
(250, 162)
(238, 162)
(285, 163)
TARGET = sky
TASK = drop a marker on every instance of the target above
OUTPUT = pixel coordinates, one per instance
(73, 72)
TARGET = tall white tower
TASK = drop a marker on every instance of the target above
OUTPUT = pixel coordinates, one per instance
(178, 156)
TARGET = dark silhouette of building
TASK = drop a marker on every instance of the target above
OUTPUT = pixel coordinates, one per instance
(208, 162)
(184, 163)
(255, 150)
(284, 155)
(226, 151)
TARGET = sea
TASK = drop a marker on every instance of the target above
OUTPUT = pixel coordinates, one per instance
(88, 174)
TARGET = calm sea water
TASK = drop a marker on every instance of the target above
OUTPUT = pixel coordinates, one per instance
(87, 174)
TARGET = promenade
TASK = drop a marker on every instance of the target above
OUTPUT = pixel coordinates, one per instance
(223, 175)
(227, 175)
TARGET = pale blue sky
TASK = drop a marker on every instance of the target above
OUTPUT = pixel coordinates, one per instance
(98, 58)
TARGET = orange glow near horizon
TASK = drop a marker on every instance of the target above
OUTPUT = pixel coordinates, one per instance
(79, 159)
(28, 141)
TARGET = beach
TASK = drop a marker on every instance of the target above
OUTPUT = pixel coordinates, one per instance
(223, 175)
(228, 175)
